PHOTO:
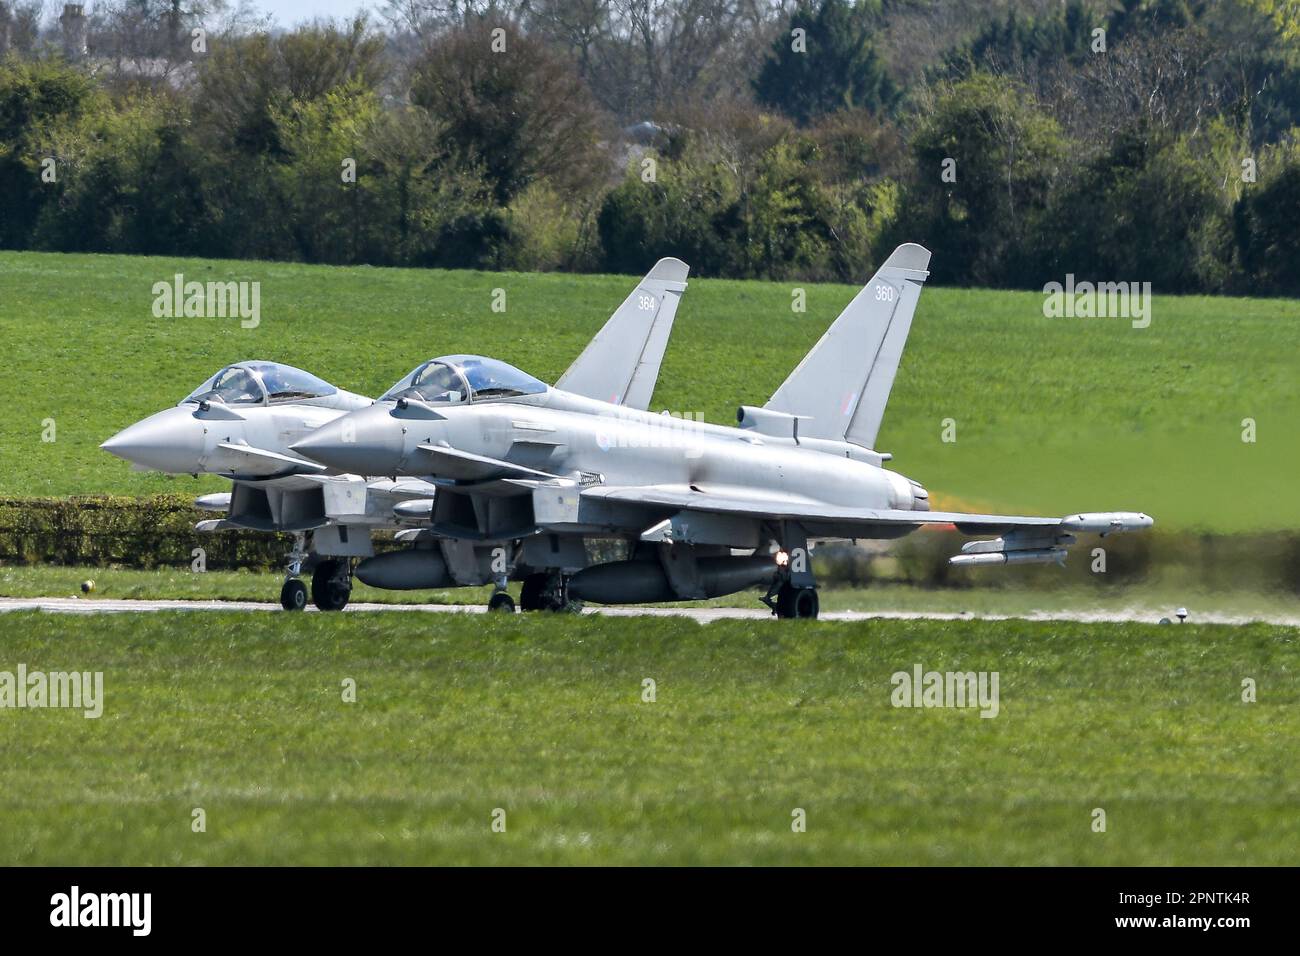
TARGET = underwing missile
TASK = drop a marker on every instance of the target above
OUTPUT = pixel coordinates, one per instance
(1029, 556)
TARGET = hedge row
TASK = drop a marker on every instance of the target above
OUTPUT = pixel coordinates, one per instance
(159, 532)
(132, 532)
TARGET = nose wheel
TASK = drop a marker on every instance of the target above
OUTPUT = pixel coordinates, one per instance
(293, 593)
(293, 596)
(502, 601)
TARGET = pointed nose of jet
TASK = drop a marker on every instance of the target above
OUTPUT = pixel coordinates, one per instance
(368, 441)
(171, 441)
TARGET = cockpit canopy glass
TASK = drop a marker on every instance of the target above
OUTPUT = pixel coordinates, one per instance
(261, 383)
(456, 378)
(284, 383)
(432, 382)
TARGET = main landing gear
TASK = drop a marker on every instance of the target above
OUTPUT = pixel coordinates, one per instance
(793, 593)
(790, 601)
(331, 584)
(545, 591)
(796, 602)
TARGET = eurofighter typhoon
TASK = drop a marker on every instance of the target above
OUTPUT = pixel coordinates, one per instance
(242, 422)
(530, 472)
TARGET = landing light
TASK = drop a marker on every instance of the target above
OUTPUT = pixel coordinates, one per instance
(782, 559)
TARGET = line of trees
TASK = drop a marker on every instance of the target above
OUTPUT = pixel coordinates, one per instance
(1151, 140)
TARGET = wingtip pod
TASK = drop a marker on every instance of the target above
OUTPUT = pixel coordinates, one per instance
(1045, 544)
(909, 257)
(1106, 522)
(669, 270)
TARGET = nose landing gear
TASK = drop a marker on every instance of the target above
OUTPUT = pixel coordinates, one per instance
(502, 601)
(293, 596)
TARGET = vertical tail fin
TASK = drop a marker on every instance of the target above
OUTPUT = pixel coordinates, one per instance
(621, 364)
(843, 384)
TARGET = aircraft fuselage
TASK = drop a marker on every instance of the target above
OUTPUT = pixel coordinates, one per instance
(595, 443)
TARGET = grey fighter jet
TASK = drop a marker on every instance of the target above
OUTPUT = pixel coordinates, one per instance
(241, 422)
(704, 510)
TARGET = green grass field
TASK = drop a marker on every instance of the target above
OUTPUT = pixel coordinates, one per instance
(1053, 415)
(242, 716)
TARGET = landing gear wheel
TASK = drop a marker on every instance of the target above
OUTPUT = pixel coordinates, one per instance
(502, 601)
(546, 592)
(532, 596)
(796, 602)
(293, 596)
(557, 597)
(331, 586)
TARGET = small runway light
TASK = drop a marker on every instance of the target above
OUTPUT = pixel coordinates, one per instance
(87, 586)
(1182, 614)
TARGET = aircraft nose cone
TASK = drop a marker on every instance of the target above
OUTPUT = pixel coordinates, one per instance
(170, 441)
(364, 442)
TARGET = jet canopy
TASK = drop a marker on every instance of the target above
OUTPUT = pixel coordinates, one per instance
(260, 383)
(460, 378)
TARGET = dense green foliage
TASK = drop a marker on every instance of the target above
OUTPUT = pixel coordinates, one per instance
(1001, 154)
(1020, 143)
(454, 717)
(138, 532)
(826, 61)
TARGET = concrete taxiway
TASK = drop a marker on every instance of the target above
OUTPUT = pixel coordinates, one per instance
(701, 614)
